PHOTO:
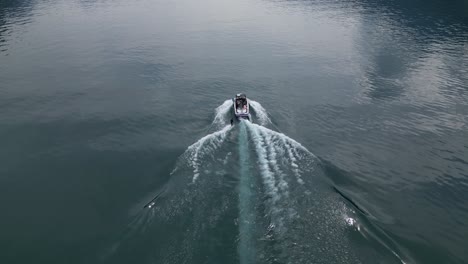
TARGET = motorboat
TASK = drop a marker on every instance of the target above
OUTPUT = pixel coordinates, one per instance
(241, 106)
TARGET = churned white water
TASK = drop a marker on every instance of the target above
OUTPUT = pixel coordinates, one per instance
(205, 146)
(260, 112)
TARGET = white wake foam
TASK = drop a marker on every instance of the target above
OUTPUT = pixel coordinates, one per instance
(221, 112)
(277, 154)
(260, 112)
(205, 146)
(292, 155)
(267, 175)
(280, 144)
(273, 151)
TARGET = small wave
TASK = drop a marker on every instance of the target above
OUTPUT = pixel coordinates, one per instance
(292, 155)
(267, 174)
(277, 155)
(282, 144)
(273, 150)
(205, 146)
(221, 113)
(260, 112)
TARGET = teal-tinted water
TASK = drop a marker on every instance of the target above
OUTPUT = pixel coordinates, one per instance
(116, 144)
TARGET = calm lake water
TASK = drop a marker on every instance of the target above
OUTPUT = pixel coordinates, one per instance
(116, 144)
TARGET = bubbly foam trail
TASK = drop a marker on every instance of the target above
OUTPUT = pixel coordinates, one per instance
(276, 152)
(293, 143)
(204, 146)
(268, 177)
(279, 142)
(267, 174)
(260, 112)
(292, 154)
(273, 149)
(220, 114)
(246, 247)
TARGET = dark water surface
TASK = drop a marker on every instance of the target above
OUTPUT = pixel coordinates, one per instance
(107, 104)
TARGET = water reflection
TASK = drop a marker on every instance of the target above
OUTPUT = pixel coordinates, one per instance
(411, 64)
(407, 33)
(434, 19)
(13, 13)
(396, 46)
(385, 63)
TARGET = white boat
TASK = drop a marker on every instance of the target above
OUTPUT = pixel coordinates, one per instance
(241, 106)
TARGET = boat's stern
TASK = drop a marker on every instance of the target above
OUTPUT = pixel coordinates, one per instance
(241, 106)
